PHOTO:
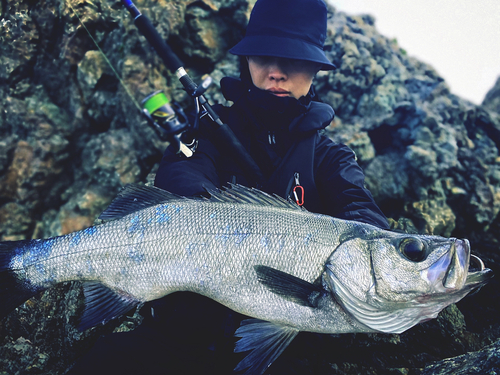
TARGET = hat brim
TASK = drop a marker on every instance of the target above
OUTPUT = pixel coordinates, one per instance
(259, 45)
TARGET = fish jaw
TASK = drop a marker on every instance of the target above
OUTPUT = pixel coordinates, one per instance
(457, 272)
(449, 273)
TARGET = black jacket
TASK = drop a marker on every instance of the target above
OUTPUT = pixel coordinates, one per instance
(283, 137)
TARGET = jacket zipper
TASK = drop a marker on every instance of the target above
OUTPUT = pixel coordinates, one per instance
(271, 138)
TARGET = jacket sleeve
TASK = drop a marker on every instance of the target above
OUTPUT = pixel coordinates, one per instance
(189, 176)
(340, 183)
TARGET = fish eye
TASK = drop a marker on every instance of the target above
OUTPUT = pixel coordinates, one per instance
(413, 249)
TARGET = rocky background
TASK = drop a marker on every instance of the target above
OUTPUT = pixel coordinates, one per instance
(71, 136)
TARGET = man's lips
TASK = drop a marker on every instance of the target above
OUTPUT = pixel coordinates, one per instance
(278, 92)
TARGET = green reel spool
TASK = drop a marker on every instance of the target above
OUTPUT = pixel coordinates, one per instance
(157, 104)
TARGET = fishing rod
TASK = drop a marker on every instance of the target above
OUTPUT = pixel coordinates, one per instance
(223, 134)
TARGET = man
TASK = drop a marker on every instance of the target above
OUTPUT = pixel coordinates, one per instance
(277, 119)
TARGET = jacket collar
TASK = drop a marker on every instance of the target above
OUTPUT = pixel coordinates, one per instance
(278, 113)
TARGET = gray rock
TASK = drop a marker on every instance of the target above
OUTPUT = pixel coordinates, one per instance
(492, 99)
(485, 361)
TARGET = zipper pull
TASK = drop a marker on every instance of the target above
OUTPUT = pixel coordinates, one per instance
(296, 177)
(298, 191)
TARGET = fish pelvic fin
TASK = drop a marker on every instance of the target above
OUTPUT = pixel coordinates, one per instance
(14, 288)
(266, 341)
(103, 304)
(289, 287)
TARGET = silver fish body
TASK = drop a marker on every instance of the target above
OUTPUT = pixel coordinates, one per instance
(256, 254)
(205, 247)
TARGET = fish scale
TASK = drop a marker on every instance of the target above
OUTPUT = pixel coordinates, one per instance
(259, 255)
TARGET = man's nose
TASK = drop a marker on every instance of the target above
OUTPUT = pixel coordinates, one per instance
(276, 71)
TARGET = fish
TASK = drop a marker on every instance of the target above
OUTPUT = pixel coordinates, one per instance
(287, 269)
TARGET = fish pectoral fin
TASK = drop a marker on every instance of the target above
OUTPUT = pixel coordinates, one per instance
(266, 340)
(103, 304)
(289, 287)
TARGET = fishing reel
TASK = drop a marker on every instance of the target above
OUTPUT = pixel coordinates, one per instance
(169, 121)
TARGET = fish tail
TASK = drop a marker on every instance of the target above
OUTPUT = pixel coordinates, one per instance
(14, 289)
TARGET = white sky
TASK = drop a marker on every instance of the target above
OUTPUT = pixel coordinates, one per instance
(459, 38)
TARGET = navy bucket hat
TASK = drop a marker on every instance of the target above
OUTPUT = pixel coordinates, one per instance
(292, 29)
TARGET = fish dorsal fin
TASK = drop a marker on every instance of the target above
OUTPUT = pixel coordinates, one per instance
(289, 287)
(135, 197)
(103, 304)
(266, 340)
(393, 320)
(243, 194)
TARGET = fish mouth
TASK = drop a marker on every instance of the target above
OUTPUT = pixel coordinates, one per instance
(458, 269)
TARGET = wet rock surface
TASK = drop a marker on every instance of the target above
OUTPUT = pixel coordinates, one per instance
(71, 136)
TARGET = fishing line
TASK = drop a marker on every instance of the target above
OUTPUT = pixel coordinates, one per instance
(172, 120)
(106, 59)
